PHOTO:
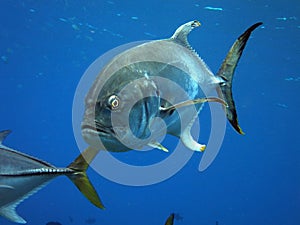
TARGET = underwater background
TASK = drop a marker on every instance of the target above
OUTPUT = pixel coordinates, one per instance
(45, 48)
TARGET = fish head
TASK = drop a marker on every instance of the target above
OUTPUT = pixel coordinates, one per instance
(120, 108)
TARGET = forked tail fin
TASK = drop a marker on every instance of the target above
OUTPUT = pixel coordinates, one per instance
(226, 73)
(80, 178)
(170, 219)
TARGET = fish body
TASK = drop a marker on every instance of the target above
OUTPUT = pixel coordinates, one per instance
(145, 82)
(22, 175)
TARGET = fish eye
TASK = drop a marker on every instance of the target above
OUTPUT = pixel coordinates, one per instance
(113, 102)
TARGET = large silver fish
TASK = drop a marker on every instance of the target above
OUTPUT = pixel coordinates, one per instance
(137, 86)
(22, 175)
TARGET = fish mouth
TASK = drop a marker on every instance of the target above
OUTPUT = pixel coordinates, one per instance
(96, 135)
(98, 129)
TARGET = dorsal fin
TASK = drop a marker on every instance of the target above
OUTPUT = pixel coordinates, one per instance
(182, 32)
(3, 135)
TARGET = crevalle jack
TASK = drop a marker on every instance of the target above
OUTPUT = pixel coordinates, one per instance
(143, 83)
(22, 175)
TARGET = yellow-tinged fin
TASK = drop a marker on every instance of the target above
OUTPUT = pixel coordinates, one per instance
(170, 219)
(226, 73)
(80, 178)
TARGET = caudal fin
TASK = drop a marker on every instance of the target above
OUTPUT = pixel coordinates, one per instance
(226, 73)
(170, 219)
(80, 178)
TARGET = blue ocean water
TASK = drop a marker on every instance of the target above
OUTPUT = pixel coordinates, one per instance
(46, 48)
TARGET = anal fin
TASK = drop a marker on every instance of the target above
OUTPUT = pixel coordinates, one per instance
(188, 140)
(10, 213)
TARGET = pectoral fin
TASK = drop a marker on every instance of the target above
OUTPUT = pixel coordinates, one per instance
(194, 102)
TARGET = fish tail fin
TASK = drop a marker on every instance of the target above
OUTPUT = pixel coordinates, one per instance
(170, 219)
(226, 72)
(80, 178)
